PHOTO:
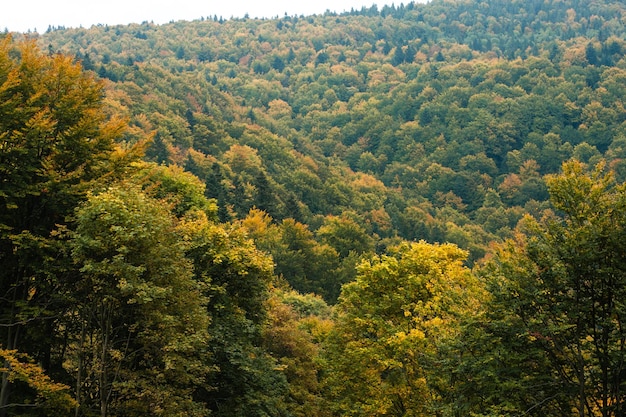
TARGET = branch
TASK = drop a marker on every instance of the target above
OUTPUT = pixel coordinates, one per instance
(18, 405)
(536, 405)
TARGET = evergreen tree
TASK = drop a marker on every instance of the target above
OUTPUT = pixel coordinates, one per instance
(398, 56)
(591, 55)
(158, 150)
(215, 188)
(265, 198)
(278, 64)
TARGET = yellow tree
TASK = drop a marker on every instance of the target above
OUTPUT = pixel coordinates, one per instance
(52, 398)
(56, 143)
(392, 327)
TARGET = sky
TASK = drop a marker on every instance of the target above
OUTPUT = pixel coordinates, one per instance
(38, 15)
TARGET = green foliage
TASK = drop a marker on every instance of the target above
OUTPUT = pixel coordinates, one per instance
(115, 274)
(181, 191)
(345, 236)
(297, 324)
(311, 262)
(387, 93)
(558, 290)
(429, 122)
(56, 144)
(142, 316)
(236, 277)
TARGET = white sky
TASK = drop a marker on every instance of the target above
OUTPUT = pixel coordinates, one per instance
(24, 15)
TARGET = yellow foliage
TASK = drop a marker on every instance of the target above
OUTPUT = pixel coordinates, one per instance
(50, 396)
(392, 324)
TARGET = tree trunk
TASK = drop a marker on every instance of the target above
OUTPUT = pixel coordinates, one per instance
(582, 401)
(105, 327)
(4, 393)
(12, 335)
(79, 374)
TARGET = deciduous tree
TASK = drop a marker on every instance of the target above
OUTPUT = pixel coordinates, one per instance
(562, 284)
(56, 143)
(392, 326)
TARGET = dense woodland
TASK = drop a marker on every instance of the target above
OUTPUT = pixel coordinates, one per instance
(413, 210)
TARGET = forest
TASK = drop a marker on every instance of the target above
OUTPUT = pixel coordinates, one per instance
(412, 210)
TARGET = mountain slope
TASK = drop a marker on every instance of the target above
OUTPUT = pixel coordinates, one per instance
(427, 121)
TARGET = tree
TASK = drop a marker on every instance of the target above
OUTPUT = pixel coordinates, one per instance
(265, 198)
(345, 235)
(308, 266)
(296, 325)
(52, 399)
(398, 56)
(393, 324)
(140, 317)
(591, 55)
(563, 284)
(158, 151)
(236, 277)
(56, 143)
(278, 64)
(180, 191)
(322, 58)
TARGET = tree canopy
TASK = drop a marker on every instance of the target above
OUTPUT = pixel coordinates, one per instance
(409, 210)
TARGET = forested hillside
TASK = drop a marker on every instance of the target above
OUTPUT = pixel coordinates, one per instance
(425, 121)
(411, 210)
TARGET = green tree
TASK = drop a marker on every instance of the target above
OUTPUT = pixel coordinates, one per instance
(563, 284)
(142, 317)
(265, 198)
(297, 324)
(158, 151)
(591, 55)
(180, 191)
(236, 278)
(398, 56)
(345, 235)
(278, 63)
(306, 264)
